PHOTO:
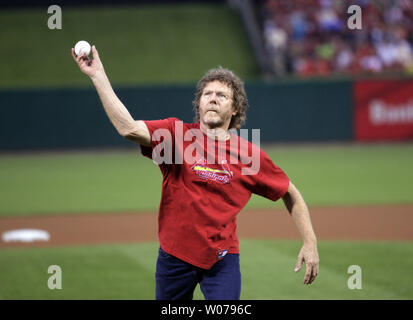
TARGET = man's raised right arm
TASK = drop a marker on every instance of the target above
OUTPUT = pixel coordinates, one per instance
(120, 117)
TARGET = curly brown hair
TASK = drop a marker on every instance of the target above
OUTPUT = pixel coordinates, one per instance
(239, 97)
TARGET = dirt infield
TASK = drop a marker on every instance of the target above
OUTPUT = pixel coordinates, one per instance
(351, 223)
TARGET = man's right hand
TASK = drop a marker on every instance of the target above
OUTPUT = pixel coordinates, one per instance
(120, 117)
(89, 67)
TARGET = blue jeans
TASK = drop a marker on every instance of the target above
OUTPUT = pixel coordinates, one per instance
(177, 279)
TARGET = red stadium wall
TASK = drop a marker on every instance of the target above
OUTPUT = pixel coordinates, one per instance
(383, 110)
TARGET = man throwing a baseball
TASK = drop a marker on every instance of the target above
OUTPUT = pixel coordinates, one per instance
(202, 193)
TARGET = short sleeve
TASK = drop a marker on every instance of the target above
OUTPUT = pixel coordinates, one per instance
(153, 126)
(271, 181)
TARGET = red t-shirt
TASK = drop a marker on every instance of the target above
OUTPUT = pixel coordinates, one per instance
(202, 197)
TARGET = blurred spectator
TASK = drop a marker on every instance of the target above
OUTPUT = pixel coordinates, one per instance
(276, 44)
(311, 37)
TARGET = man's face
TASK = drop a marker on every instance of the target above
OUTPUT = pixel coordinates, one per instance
(215, 106)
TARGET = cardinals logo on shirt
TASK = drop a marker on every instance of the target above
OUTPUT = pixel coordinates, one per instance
(223, 176)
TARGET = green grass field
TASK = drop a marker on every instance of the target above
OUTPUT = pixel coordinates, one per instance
(126, 181)
(119, 181)
(127, 271)
(138, 45)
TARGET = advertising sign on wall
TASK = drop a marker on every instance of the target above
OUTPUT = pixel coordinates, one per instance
(383, 110)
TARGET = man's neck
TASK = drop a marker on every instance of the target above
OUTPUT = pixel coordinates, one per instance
(218, 133)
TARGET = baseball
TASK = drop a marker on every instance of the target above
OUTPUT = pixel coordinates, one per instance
(81, 47)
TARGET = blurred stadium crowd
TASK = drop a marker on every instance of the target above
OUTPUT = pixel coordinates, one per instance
(311, 37)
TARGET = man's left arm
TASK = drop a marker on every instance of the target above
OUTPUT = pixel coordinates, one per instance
(298, 210)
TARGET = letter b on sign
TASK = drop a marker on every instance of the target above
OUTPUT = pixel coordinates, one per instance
(354, 282)
(55, 280)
